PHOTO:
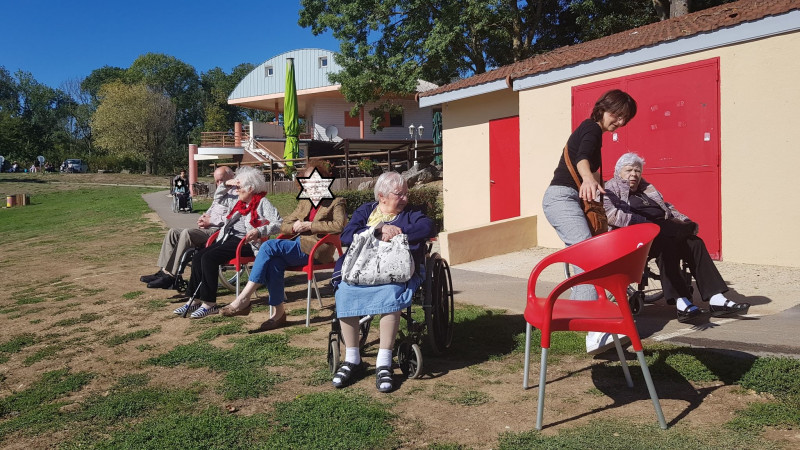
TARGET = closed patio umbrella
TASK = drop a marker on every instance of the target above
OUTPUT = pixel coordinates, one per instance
(291, 127)
(437, 137)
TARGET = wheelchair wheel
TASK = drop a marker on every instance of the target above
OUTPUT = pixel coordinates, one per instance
(409, 357)
(175, 203)
(438, 304)
(227, 277)
(189, 205)
(333, 351)
(180, 284)
(636, 301)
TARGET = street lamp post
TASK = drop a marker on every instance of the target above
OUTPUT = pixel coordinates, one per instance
(415, 133)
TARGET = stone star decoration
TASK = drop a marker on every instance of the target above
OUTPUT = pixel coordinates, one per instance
(315, 188)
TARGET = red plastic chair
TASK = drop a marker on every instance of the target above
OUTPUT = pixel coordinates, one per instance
(611, 262)
(238, 262)
(311, 266)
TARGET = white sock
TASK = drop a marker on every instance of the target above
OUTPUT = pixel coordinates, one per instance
(683, 303)
(717, 300)
(352, 355)
(384, 358)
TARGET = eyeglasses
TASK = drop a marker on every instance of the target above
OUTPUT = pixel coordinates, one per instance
(400, 195)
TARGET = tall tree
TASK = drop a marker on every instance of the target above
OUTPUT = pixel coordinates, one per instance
(387, 45)
(178, 80)
(134, 121)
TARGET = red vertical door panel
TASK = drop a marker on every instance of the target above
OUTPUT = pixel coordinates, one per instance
(504, 168)
(676, 131)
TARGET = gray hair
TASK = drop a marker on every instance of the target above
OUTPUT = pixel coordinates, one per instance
(251, 179)
(628, 159)
(388, 182)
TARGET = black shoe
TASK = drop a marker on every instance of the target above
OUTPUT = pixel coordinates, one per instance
(348, 373)
(729, 308)
(153, 277)
(690, 313)
(165, 282)
(384, 375)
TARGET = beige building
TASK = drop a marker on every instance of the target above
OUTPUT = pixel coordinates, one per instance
(718, 105)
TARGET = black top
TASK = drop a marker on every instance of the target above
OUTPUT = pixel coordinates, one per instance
(645, 207)
(584, 143)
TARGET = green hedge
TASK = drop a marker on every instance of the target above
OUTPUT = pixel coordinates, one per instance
(425, 197)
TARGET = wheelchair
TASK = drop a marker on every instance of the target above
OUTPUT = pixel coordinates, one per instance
(181, 198)
(435, 295)
(229, 277)
(649, 291)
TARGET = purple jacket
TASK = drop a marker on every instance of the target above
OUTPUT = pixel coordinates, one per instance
(619, 211)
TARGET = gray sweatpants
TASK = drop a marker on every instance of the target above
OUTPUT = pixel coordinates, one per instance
(561, 206)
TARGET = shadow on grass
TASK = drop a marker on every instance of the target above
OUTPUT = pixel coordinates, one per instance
(673, 370)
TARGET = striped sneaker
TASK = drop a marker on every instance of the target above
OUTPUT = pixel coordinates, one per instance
(203, 311)
(182, 310)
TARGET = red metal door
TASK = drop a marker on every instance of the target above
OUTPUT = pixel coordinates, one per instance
(676, 130)
(504, 168)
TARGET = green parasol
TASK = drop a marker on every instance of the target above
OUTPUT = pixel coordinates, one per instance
(437, 137)
(291, 127)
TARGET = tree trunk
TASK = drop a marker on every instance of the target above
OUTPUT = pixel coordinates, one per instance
(662, 8)
(679, 8)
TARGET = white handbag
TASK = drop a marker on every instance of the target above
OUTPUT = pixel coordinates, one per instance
(370, 261)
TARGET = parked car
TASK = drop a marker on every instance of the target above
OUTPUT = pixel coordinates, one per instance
(76, 166)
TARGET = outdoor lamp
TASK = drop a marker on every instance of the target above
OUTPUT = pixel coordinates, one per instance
(419, 129)
(411, 130)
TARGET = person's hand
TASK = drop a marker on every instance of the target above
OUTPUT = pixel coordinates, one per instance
(590, 190)
(301, 226)
(252, 235)
(233, 182)
(204, 221)
(389, 231)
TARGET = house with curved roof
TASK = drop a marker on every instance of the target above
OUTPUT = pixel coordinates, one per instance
(321, 105)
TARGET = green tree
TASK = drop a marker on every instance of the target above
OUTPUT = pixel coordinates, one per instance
(179, 81)
(387, 45)
(134, 121)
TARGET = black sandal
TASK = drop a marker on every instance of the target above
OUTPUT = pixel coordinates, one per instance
(726, 310)
(384, 375)
(692, 312)
(346, 373)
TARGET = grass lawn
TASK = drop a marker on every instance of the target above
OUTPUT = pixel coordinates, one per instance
(90, 358)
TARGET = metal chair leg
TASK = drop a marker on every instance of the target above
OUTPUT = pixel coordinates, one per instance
(308, 305)
(542, 383)
(623, 361)
(527, 355)
(652, 389)
(316, 289)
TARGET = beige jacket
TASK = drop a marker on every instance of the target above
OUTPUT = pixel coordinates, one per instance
(330, 219)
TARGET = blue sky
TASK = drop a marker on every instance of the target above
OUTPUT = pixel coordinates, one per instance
(58, 40)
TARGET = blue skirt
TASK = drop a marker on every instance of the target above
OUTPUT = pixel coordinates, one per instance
(357, 301)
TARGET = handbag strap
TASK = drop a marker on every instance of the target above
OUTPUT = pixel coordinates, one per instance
(572, 169)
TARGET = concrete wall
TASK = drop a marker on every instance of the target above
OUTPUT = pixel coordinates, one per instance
(760, 149)
(465, 135)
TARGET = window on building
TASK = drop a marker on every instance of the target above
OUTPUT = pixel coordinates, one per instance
(269, 71)
(396, 120)
(351, 121)
(323, 61)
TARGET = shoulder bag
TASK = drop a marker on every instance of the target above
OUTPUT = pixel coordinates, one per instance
(370, 261)
(594, 211)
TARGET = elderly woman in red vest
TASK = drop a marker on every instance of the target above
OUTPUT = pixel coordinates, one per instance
(251, 218)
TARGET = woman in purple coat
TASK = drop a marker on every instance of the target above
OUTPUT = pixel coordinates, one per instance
(391, 216)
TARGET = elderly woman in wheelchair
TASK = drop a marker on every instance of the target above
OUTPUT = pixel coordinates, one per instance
(391, 216)
(630, 200)
(251, 218)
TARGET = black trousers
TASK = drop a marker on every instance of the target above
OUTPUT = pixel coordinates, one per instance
(205, 267)
(670, 251)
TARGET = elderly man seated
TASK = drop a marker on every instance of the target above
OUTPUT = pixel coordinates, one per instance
(178, 240)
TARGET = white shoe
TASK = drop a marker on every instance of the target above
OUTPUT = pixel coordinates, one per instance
(597, 342)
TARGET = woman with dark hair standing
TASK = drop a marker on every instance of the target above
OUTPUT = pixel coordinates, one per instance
(562, 199)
